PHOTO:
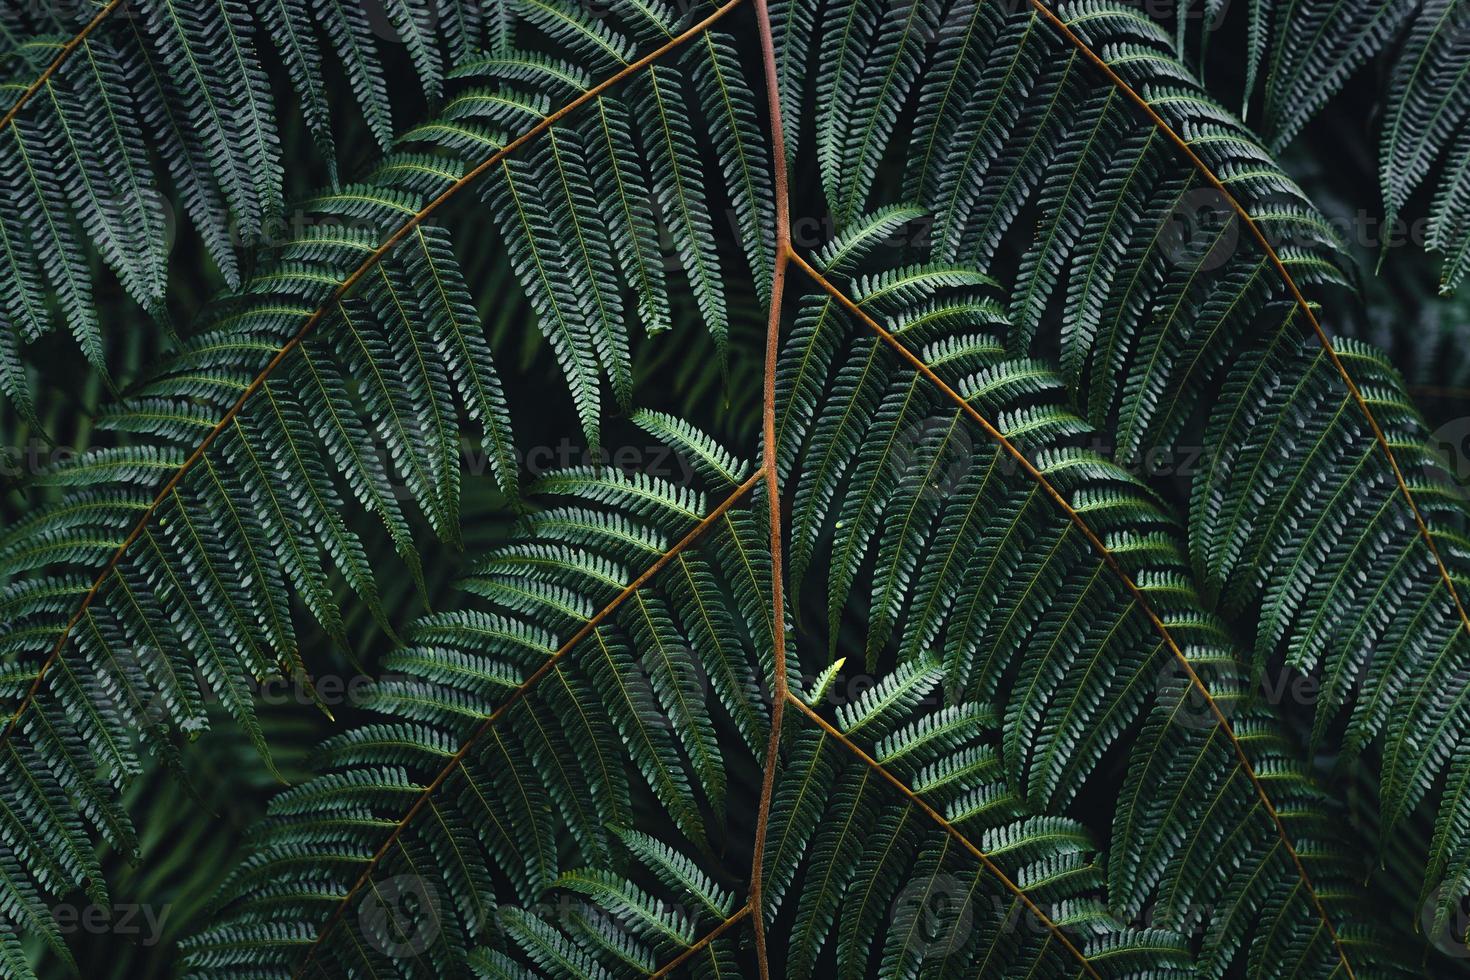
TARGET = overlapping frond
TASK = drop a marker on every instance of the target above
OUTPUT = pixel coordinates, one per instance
(333, 381)
(913, 849)
(619, 195)
(1427, 127)
(173, 98)
(1302, 55)
(520, 734)
(1162, 254)
(991, 539)
(1311, 494)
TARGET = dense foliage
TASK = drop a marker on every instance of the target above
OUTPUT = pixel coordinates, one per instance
(1055, 591)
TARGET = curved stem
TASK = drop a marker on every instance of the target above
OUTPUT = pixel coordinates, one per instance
(1296, 294)
(56, 63)
(1111, 559)
(515, 696)
(916, 800)
(366, 266)
(772, 478)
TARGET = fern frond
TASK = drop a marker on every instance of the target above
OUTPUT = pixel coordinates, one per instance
(957, 865)
(332, 374)
(1067, 590)
(963, 426)
(1304, 54)
(83, 117)
(486, 697)
(1313, 52)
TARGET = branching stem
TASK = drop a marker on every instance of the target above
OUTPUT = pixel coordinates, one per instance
(515, 696)
(709, 937)
(1111, 559)
(56, 63)
(767, 474)
(366, 266)
(772, 479)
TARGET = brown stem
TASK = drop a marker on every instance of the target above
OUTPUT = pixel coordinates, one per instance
(709, 937)
(773, 482)
(1259, 235)
(366, 266)
(917, 801)
(55, 65)
(515, 696)
(1111, 559)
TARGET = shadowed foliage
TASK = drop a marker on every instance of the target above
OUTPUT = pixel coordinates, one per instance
(1069, 482)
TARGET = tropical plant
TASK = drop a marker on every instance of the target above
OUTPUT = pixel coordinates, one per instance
(1303, 54)
(146, 88)
(938, 676)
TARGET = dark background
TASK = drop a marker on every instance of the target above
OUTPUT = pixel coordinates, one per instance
(193, 836)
